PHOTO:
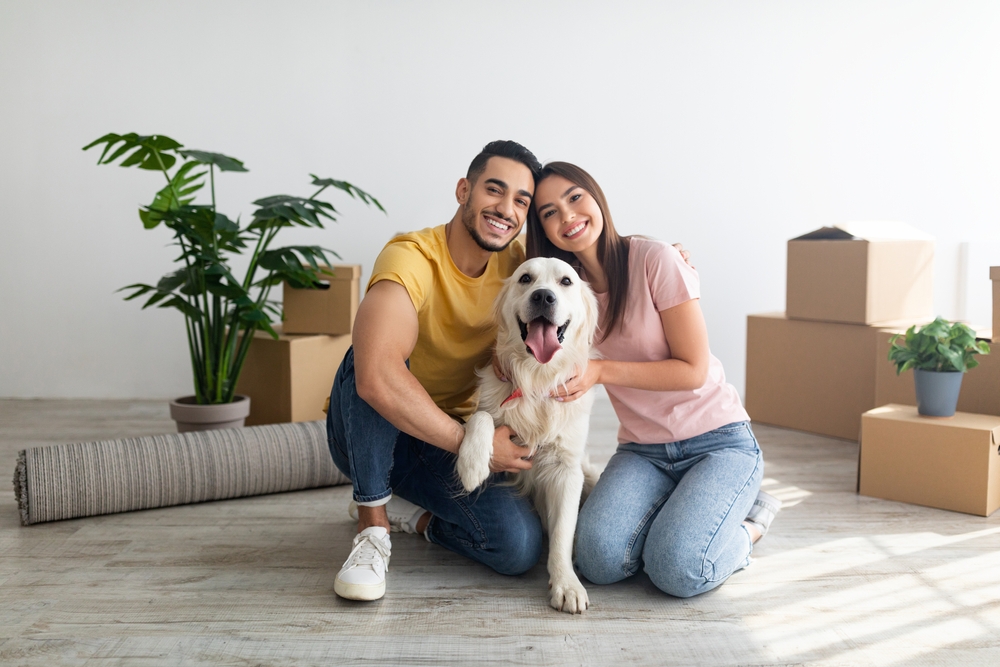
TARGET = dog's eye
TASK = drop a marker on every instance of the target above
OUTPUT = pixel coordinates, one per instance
(525, 278)
(566, 281)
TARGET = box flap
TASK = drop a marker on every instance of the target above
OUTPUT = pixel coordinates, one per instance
(995, 273)
(827, 234)
(874, 230)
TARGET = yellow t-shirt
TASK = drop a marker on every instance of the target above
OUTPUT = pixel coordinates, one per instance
(456, 331)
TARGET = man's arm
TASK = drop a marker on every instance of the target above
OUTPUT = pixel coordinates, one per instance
(385, 333)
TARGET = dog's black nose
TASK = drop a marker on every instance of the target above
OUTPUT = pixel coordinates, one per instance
(543, 297)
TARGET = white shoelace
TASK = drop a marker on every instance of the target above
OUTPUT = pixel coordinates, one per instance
(368, 550)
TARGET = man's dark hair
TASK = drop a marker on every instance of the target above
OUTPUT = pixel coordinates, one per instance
(504, 148)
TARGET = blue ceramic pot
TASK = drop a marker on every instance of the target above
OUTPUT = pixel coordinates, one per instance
(937, 393)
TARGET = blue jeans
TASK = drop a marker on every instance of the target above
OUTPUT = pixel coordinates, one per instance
(493, 526)
(677, 509)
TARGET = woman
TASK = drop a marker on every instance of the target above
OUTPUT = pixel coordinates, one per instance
(680, 495)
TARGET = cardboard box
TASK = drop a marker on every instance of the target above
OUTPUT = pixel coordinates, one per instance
(951, 463)
(980, 387)
(811, 376)
(995, 277)
(326, 310)
(289, 379)
(861, 273)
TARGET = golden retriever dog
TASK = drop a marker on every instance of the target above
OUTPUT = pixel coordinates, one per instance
(546, 316)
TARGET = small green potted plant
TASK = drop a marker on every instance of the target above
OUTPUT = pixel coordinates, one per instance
(939, 353)
(221, 312)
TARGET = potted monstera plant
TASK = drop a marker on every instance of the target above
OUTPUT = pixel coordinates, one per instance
(221, 310)
(939, 353)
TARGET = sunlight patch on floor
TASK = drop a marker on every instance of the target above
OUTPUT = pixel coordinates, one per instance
(894, 618)
(788, 495)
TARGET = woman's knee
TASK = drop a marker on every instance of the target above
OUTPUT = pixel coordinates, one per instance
(599, 557)
(677, 572)
(678, 584)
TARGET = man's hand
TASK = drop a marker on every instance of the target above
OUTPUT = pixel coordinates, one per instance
(685, 255)
(507, 456)
(579, 384)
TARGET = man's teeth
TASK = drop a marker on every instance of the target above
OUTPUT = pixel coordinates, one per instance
(499, 225)
(575, 230)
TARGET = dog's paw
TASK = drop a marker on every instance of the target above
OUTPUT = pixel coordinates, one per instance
(569, 596)
(474, 455)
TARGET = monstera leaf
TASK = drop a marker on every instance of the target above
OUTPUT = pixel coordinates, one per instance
(221, 312)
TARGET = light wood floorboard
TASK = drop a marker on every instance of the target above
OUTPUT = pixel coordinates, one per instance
(840, 580)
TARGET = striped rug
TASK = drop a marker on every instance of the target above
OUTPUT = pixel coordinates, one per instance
(85, 479)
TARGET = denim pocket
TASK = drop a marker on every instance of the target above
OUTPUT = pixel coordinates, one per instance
(730, 429)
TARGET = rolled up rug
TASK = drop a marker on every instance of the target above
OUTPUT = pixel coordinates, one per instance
(109, 476)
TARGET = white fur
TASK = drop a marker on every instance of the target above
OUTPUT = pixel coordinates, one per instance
(554, 433)
(477, 448)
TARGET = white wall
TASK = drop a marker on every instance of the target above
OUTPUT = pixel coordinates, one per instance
(730, 126)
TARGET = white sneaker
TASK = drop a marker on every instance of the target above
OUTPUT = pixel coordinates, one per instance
(403, 515)
(363, 574)
(763, 510)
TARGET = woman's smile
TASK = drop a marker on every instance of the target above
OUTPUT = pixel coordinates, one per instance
(576, 228)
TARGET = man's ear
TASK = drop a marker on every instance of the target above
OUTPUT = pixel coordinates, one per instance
(462, 190)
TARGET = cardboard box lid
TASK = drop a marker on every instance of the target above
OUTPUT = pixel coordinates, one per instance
(867, 231)
(342, 272)
(285, 338)
(963, 420)
(995, 273)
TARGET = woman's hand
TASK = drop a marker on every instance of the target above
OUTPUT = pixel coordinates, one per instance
(579, 384)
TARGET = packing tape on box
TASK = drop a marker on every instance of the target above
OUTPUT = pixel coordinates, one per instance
(91, 478)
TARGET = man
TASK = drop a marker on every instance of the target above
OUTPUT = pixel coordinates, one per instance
(397, 404)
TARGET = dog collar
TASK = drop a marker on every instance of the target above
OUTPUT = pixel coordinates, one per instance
(516, 394)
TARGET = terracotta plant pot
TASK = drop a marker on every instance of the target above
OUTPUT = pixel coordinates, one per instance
(937, 393)
(193, 417)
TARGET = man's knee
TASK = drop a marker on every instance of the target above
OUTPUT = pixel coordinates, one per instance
(517, 546)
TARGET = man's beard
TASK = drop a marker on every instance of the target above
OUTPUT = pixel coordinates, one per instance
(469, 218)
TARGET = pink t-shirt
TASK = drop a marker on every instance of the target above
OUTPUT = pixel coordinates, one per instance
(660, 279)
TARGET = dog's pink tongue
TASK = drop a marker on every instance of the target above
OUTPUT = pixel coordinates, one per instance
(542, 340)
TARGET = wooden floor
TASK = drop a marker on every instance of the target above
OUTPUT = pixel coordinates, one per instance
(840, 580)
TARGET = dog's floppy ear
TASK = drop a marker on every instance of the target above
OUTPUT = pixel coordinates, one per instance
(499, 302)
(590, 310)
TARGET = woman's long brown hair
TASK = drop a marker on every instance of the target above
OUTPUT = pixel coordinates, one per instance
(612, 249)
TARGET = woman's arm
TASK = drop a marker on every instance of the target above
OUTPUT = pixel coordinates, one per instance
(687, 336)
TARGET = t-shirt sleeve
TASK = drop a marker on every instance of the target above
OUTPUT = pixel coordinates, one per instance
(671, 280)
(403, 262)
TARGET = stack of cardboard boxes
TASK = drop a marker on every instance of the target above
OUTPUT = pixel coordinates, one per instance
(289, 379)
(951, 463)
(822, 366)
(813, 367)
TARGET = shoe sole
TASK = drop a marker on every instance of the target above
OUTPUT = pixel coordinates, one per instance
(358, 591)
